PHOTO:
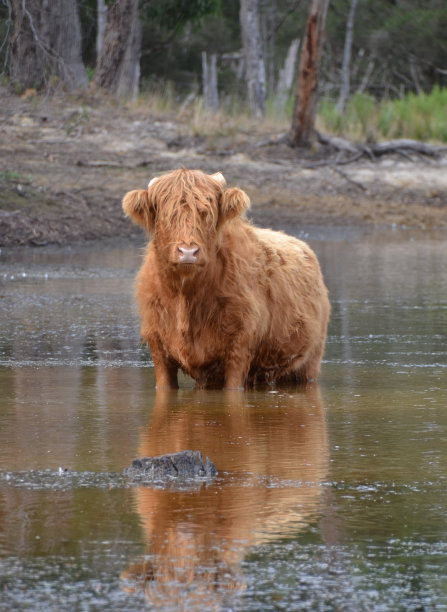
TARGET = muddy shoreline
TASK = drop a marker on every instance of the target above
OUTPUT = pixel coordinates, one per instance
(66, 163)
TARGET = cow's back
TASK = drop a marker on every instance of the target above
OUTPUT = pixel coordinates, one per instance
(290, 273)
(292, 287)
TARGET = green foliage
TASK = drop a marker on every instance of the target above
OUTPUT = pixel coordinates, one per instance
(174, 36)
(420, 117)
(361, 108)
(172, 15)
(332, 119)
(90, 73)
(358, 119)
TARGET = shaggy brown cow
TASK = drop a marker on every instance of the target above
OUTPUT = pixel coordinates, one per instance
(228, 303)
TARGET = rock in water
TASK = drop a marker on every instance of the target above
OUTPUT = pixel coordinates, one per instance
(185, 464)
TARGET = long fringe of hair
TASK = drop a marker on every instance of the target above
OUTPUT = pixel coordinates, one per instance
(186, 200)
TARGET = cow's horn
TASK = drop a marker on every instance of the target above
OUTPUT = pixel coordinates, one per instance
(219, 177)
(152, 181)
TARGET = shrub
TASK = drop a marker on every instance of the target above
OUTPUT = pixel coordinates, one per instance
(417, 116)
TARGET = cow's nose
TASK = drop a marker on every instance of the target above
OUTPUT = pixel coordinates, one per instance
(188, 255)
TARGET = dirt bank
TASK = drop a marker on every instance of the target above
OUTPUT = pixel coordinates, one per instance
(66, 163)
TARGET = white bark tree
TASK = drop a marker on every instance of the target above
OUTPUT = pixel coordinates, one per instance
(268, 12)
(101, 20)
(253, 56)
(346, 66)
(209, 79)
(286, 76)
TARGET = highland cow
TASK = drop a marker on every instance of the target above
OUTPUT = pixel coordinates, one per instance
(228, 303)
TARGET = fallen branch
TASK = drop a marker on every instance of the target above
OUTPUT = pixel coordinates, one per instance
(341, 144)
(101, 164)
(401, 146)
(336, 162)
(395, 146)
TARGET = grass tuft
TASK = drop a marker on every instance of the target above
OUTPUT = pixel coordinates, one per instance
(416, 116)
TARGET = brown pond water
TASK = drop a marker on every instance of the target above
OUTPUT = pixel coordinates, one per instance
(329, 498)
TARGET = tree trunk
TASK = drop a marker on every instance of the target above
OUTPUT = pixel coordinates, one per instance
(209, 79)
(5, 46)
(254, 61)
(47, 43)
(268, 27)
(118, 65)
(286, 75)
(302, 133)
(368, 72)
(101, 20)
(345, 70)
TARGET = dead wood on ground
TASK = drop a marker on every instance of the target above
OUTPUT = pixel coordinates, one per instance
(373, 150)
(349, 152)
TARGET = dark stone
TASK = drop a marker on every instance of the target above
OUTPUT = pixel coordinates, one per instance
(185, 464)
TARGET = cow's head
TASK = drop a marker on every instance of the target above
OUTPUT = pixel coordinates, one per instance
(185, 211)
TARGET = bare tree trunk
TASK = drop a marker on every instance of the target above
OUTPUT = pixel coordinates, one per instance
(254, 61)
(129, 75)
(365, 80)
(414, 75)
(286, 75)
(268, 23)
(346, 66)
(6, 42)
(302, 133)
(205, 79)
(101, 20)
(118, 66)
(47, 43)
(209, 78)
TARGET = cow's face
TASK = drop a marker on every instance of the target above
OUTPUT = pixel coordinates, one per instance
(187, 214)
(185, 210)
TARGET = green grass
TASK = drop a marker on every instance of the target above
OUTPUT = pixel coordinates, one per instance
(9, 176)
(417, 116)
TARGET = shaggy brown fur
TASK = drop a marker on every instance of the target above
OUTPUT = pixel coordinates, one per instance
(228, 303)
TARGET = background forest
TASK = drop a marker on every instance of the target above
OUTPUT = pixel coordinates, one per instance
(383, 68)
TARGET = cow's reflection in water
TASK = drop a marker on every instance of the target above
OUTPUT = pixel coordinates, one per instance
(271, 451)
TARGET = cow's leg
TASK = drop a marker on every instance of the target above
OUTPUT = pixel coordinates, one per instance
(165, 368)
(309, 370)
(165, 375)
(237, 366)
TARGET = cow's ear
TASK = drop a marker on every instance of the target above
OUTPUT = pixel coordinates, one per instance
(234, 202)
(136, 205)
